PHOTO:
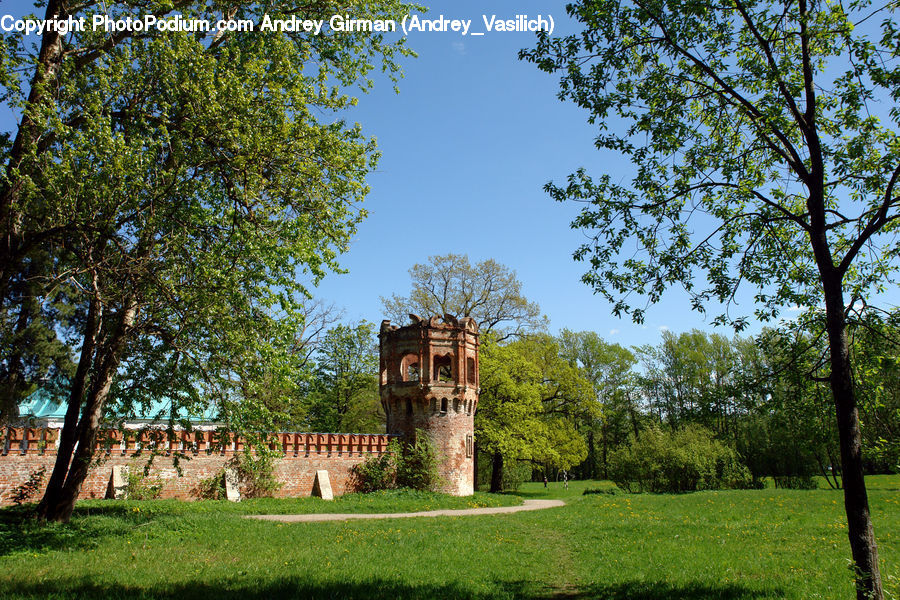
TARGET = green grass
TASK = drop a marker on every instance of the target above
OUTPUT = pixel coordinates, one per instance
(710, 545)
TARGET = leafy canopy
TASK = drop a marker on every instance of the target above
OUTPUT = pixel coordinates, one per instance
(753, 129)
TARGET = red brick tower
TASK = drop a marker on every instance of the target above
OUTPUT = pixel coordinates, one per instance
(429, 381)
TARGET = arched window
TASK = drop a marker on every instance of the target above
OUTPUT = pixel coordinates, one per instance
(443, 372)
(409, 368)
(443, 406)
(470, 370)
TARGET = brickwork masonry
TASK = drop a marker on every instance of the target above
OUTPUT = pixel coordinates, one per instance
(24, 451)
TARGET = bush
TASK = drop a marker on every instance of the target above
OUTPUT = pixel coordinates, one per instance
(417, 464)
(212, 488)
(682, 461)
(255, 474)
(412, 466)
(140, 487)
(376, 472)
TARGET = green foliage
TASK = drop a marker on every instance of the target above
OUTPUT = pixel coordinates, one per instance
(24, 492)
(255, 474)
(531, 398)
(343, 392)
(609, 367)
(376, 472)
(212, 487)
(735, 117)
(179, 194)
(758, 160)
(417, 465)
(404, 465)
(685, 460)
(138, 486)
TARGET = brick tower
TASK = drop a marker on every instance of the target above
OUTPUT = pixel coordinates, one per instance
(429, 381)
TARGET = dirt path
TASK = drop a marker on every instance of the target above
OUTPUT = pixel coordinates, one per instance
(527, 505)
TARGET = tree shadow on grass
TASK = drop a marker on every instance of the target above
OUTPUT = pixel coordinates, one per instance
(20, 531)
(376, 589)
(661, 590)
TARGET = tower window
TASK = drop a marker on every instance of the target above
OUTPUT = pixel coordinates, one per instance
(409, 368)
(443, 372)
(470, 446)
(443, 405)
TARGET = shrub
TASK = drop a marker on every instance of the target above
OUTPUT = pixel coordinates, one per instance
(376, 472)
(26, 491)
(140, 487)
(682, 461)
(412, 466)
(212, 488)
(417, 464)
(255, 474)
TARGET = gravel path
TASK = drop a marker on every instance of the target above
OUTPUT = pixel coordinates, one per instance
(527, 505)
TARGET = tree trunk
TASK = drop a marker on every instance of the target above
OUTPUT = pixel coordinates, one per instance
(856, 502)
(60, 508)
(70, 423)
(496, 473)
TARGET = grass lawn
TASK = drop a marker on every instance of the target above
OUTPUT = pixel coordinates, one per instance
(711, 545)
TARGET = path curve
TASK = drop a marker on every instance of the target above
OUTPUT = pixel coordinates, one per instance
(308, 518)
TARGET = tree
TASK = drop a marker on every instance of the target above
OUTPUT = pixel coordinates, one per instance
(530, 400)
(489, 292)
(761, 158)
(180, 187)
(609, 368)
(343, 395)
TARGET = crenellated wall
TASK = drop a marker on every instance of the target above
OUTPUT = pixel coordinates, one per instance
(202, 454)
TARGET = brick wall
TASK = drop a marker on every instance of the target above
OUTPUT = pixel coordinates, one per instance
(23, 451)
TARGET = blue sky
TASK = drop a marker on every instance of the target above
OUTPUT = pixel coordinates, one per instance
(467, 145)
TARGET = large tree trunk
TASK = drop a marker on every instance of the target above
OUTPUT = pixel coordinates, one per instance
(69, 432)
(496, 473)
(856, 501)
(59, 507)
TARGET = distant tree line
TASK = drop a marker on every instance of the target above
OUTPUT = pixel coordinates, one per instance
(766, 397)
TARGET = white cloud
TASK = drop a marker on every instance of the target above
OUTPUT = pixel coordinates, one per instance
(613, 332)
(663, 328)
